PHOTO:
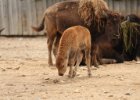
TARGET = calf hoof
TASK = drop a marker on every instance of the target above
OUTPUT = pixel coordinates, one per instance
(74, 74)
(89, 75)
(70, 76)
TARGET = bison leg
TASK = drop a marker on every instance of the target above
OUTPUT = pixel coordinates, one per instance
(138, 53)
(95, 50)
(50, 44)
(56, 44)
(88, 59)
(119, 58)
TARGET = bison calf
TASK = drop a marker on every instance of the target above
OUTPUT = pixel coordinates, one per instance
(73, 41)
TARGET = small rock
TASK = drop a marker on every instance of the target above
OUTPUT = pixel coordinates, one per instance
(60, 92)
(42, 85)
(110, 96)
(55, 81)
(32, 93)
(8, 68)
(3, 70)
(10, 85)
(19, 96)
(17, 68)
(26, 88)
(92, 96)
(45, 73)
(121, 78)
(106, 92)
(127, 94)
(22, 75)
(22, 63)
(47, 79)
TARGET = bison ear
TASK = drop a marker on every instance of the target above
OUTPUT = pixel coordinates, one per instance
(123, 18)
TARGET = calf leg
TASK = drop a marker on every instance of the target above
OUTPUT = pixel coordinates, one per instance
(94, 54)
(78, 61)
(71, 63)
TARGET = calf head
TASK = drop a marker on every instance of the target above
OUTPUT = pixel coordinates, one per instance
(61, 65)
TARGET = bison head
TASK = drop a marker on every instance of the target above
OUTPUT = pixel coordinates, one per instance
(113, 25)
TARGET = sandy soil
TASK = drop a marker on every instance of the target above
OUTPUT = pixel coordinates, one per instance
(25, 75)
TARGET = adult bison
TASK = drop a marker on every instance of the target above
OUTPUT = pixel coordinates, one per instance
(130, 36)
(93, 14)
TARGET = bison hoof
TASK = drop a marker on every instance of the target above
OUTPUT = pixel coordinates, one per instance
(96, 65)
(50, 64)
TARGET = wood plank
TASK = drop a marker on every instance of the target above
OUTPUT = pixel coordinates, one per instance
(122, 7)
(19, 11)
(134, 6)
(138, 7)
(5, 17)
(33, 14)
(117, 6)
(40, 12)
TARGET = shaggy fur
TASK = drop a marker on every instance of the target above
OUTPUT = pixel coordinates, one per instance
(73, 41)
(91, 10)
(131, 37)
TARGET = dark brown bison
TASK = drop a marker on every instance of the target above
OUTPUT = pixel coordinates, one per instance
(107, 47)
(73, 41)
(131, 37)
(93, 14)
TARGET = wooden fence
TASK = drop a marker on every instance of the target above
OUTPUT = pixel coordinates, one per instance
(17, 16)
(125, 6)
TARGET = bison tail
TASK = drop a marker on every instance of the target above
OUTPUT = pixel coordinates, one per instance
(40, 27)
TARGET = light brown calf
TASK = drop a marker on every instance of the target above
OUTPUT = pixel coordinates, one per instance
(73, 41)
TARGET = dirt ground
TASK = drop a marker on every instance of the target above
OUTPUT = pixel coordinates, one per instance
(25, 75)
